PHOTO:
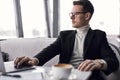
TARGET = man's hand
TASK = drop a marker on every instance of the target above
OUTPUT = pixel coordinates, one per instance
(89, 65)
(25, 61)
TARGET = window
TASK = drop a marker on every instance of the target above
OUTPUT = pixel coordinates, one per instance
(106, 16)
(65, 22)
(33, 18)
(7, 19)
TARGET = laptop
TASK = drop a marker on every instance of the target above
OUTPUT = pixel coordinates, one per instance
(2, 67)
(9, 67)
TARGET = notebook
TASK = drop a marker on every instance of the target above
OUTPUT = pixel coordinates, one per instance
(10, 68)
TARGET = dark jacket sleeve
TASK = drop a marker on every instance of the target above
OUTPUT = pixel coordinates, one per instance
(49, 52)
(109, 56)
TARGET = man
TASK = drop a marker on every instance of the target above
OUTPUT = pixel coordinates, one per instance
(84, 48)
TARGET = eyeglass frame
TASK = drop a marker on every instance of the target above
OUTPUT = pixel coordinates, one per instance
(76, 13)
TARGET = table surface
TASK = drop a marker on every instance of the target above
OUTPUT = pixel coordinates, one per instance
(41, 73)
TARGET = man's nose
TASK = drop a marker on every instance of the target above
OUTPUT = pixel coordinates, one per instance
(72, 17)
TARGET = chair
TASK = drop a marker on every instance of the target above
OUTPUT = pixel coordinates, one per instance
(115, 75)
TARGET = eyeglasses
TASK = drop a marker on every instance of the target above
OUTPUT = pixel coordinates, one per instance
(75, 13)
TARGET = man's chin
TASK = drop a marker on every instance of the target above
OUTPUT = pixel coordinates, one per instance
(75, 26)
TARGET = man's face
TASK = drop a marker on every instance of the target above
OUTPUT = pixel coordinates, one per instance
(78, 17)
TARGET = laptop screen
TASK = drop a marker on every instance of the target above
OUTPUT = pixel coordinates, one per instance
(2, 67)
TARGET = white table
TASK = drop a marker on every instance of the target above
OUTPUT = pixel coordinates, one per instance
(41, 73)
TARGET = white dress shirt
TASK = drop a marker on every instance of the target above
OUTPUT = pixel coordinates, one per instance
(77, 56)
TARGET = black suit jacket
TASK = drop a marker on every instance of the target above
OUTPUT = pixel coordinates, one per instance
(95, 47)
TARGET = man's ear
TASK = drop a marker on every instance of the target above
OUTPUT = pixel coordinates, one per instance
(87, 16)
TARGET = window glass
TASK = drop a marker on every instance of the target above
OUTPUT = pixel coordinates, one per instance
(33, 17)
(7, 19)
(65, 22)
(106, 16)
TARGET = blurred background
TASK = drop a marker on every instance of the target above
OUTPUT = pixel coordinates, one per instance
(46, 18)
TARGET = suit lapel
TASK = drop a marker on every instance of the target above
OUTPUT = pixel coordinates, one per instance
(71, 42)
(87, 41)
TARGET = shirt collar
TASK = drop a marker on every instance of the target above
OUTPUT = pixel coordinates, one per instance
(83, 29)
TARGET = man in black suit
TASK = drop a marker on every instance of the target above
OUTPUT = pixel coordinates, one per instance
(84, 48)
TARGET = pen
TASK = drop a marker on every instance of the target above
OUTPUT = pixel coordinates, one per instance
(15, 75)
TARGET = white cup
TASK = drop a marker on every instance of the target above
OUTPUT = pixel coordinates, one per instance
(61, 71)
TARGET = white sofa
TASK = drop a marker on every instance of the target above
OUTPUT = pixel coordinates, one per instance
(26, 47)
(31, 46)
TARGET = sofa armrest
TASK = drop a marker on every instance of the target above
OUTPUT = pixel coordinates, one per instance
(115, 75)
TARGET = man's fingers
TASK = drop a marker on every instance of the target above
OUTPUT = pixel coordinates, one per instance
(17, 60)
(84, 64)
(89, 67)
(22, 60)
(25, 59)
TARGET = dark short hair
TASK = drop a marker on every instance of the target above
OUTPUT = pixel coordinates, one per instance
(87, 5)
